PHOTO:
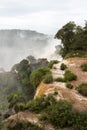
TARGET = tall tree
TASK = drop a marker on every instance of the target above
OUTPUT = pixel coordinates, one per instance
(73, 38)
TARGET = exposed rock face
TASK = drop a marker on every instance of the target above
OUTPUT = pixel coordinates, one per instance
(26, 117)
(79, 102)
(73, 64)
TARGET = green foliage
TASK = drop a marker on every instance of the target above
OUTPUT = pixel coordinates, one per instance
(55, 93)
(23, 72)
(48, 78)
(84, 67)
(1, 125)
(73, 38)
(63, 66)
(60, 114)
(51, 63)
(76, 53)
(19, 107)
(80, 120)
(8, 84)
(38, 75)
(21, 67)
(60, 79)
(82, 89)
(21, 125)
(41, 103)
(43, 117)
(14, 99)
(69, 85)
(69, 76)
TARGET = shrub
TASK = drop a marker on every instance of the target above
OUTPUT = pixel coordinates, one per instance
(43, 117)
(80, 120)
(48, 78)
(84, 67)
(51, 63)
(40, 104)
(60, 79)
(38, 75)
(19, 107)
(63, 66)
(15, 98)
(55, 92)
(60, 114)
(82, 89)
(69, 85)
(69, 76)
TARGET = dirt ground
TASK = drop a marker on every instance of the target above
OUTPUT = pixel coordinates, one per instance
(79, 101)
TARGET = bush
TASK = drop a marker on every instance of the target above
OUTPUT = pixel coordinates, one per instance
(38, 75)
(60, 114)
(51, 63)
(40, 104)
(84, 67)
(60, 79)
(15, 98)
(80, 120)
(82, 89)
(55, 93)
(48, 78)
(63, 66)
(69, 85)
(19, 107)
(69, 76)
(43, 117)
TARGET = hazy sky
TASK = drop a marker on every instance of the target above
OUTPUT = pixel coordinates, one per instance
(45, 16)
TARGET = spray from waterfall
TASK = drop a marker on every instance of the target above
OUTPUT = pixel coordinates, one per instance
(16, 45)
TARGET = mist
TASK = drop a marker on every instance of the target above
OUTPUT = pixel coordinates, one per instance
(16, 45)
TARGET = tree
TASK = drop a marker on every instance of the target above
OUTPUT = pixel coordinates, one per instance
(66, 34)
(23, 72)
(73, 38)
(31, 59)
